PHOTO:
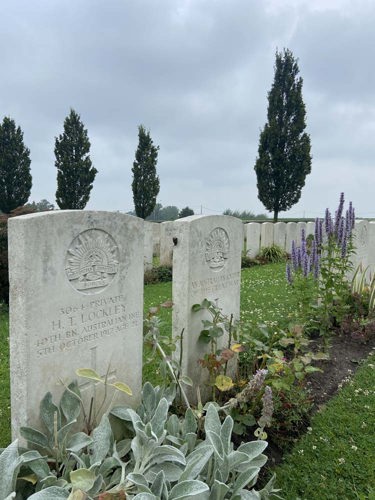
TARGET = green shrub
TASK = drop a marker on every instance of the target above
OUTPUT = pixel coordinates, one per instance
(272, 254)
(247, 262)
(160, 274)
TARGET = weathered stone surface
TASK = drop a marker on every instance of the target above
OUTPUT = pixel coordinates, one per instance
(361, 244)
(291, 234)
(166, 243)
(310, 228)
(252, 239)
(279, 234)
(76, 301)
(156, 226)
(266, 234)
(206, 265)
(148, 245)
(371, 253)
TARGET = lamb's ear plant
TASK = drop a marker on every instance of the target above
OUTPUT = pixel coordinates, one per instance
(159, 456)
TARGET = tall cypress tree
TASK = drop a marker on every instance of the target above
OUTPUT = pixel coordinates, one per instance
(75, 173)
(145, 183)
(15, 176)
(284, 157)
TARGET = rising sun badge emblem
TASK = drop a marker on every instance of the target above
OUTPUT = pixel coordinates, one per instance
(217, 249)
(92, 261)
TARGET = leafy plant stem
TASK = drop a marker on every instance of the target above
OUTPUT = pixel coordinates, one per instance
(170, 368)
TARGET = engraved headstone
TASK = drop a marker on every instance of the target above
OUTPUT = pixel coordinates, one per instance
(279, 234)
(76, 301)
(252, 239)
(206, 265)
(266, 234)
(291, 234)
(148, 245)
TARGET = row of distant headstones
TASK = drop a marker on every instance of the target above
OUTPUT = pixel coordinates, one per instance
(158, 240)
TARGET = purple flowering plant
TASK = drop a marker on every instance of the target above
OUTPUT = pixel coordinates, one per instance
(320, 273)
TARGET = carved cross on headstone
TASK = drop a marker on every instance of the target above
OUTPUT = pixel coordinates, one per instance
(111, 375)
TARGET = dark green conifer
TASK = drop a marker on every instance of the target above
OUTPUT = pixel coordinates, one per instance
(284, 157)
(75, 173)
(145, 183)
(15, 176)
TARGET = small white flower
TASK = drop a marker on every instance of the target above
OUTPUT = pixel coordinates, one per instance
(354, 447)
(341, 461)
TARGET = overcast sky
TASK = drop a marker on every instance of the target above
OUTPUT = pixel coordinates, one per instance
(195, 73)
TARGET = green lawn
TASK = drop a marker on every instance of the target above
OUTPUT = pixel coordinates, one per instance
(336, 459)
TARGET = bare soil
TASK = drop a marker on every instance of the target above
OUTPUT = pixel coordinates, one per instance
(346, 353)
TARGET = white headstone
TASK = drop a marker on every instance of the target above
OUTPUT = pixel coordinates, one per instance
(206, 265)
(266, 234)
(156, 226)
(291, 234)
(361, 244)
(279, 234)
(244, 237)
(148, 245)
(166, 243)
(310, 228)
(76, 301)
(252, 239)
(371, 253)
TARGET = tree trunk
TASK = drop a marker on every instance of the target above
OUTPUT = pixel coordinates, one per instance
(275, 215)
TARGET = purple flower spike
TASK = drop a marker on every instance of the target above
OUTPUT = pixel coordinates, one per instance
(341, 230)
(294, 256)
(317, 269)
(305, 264)
(348, 223)
(351, 215)
(303, 241)
(267, 409)
(314, 254)
(299, 257)
(339, 213)
(289, 274)
(343, 248)
(317, 232)
(328, 223)
(320, 231)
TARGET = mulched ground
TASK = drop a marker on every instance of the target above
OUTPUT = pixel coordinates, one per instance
(346, 353)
